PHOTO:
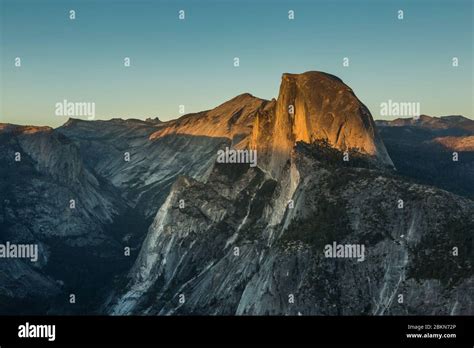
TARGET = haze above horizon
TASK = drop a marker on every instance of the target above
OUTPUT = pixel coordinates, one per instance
(191, 62)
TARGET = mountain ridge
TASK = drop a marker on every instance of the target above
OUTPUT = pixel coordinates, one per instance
(434, 123)
(156, 188)
(308, 120)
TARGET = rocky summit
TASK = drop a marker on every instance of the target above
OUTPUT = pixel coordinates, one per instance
(316, 106)
(139, 216)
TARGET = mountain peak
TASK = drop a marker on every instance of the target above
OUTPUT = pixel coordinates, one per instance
(243, 96)
(153, 120)
(232, 119)
(315, 105)
(311, 75)
(311, 106)
(71, 121)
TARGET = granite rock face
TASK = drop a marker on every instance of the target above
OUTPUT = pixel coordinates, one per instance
(258, 246)
(229, 256)
(50, 198)
(230, 238)
(315, 106)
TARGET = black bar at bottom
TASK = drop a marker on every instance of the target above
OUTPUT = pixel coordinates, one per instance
(136, 330)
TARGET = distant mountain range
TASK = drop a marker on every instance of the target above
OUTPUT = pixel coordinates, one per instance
(159, 227)
(423, 149)
(458, 125)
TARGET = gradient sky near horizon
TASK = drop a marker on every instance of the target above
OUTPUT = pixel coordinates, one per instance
(190, 62)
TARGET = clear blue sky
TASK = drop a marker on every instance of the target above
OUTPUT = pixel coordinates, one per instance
(190, 62)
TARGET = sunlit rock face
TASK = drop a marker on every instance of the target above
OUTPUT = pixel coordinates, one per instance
(233, 119)
(310, 106)
(465, 143)
(207, 237)
(325, 108)
(250, 238)
(314, 106)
